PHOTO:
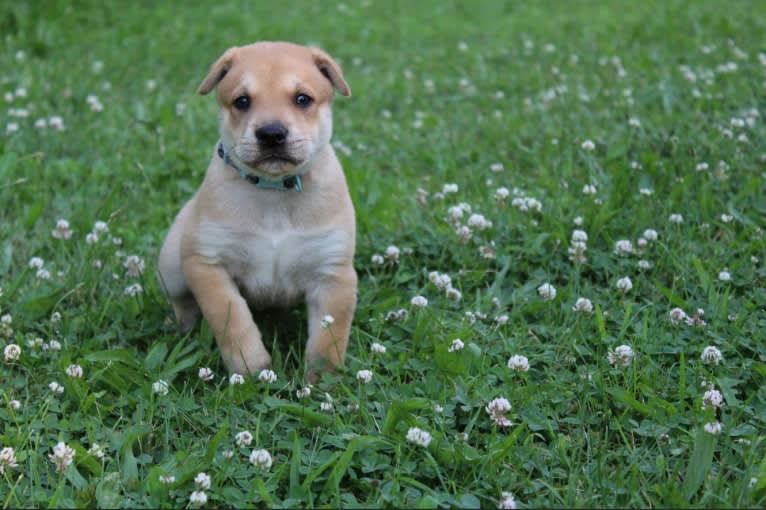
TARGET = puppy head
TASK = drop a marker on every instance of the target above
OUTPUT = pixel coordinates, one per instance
(275, 103)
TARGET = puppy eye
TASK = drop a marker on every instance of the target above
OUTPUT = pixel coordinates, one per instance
(303, 100)
(242, 103)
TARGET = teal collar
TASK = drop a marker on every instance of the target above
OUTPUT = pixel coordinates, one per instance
(290, 182)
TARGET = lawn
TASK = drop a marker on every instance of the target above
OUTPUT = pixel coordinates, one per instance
(560, 213)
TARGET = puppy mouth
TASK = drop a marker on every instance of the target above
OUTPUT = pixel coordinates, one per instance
(274, 158)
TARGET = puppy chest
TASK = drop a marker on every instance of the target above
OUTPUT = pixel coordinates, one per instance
(278, 267)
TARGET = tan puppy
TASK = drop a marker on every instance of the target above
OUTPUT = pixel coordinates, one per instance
(272, 223)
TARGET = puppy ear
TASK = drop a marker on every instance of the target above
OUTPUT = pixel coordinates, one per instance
(328, 67)
(217, 71)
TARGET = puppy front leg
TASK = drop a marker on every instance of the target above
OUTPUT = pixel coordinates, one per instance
(229, 317)
(335, 297)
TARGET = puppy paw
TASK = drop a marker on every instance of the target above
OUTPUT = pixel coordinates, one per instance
(247, 358)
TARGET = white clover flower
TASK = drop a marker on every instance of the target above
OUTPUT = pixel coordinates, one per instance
(634, 122)
(43, 274)
(205, 374)
(502, 320)
(713, 428)
(304, 392)
(547, 291)
(711, 355)
(377, 348)
(622, 356)
(198, 498)
(676, 218)
(677, 315)
(419, 302)
(167, 479)
(506, 501)
(54, 345)
(227, 454)
(456, 345)
(261, 459)
(525, 204)
(479, 222)
(14, 404)
(579, 236)
(418, 437)
(724, 276)
(518, 363)
(644, 265)
(56, 123)
(56, 388)
(100, 227)
(135, 265)
(578, 221)
(267, 376)
(651, 235)
(7, 459)
(453, 294)
(727, 218)
(327, 321)
(623, 247)
(160, 387)
(235, 379)
(36, 262)
(6, 319)
(326, 407)
(62, 456)
(244, 438)
(392, 253)
(697, 319)
(588, 145)
(589, 189)
(62, 230)
(450, 188)
(502, 193)
(396, 315)
(441, 280)
(12, 352)
(624, 284)
(133, 290)
(497, 410)
(496, 167)
(377, 260)
(364, 376)
(97, 451)
(712, 398)
(91, 238)
(74, 371)
(583, 305)
(202, 480)
(55, 317)
(464, 233)
(11, 127)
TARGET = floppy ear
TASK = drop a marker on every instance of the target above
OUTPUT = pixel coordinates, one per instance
(328, 67)
(217, 71)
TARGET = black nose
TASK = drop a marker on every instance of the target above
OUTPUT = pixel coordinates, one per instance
(274, 133)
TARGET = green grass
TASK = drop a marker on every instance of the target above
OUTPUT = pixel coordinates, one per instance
(584, 433)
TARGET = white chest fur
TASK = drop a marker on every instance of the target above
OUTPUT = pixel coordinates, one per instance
(275, 266)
